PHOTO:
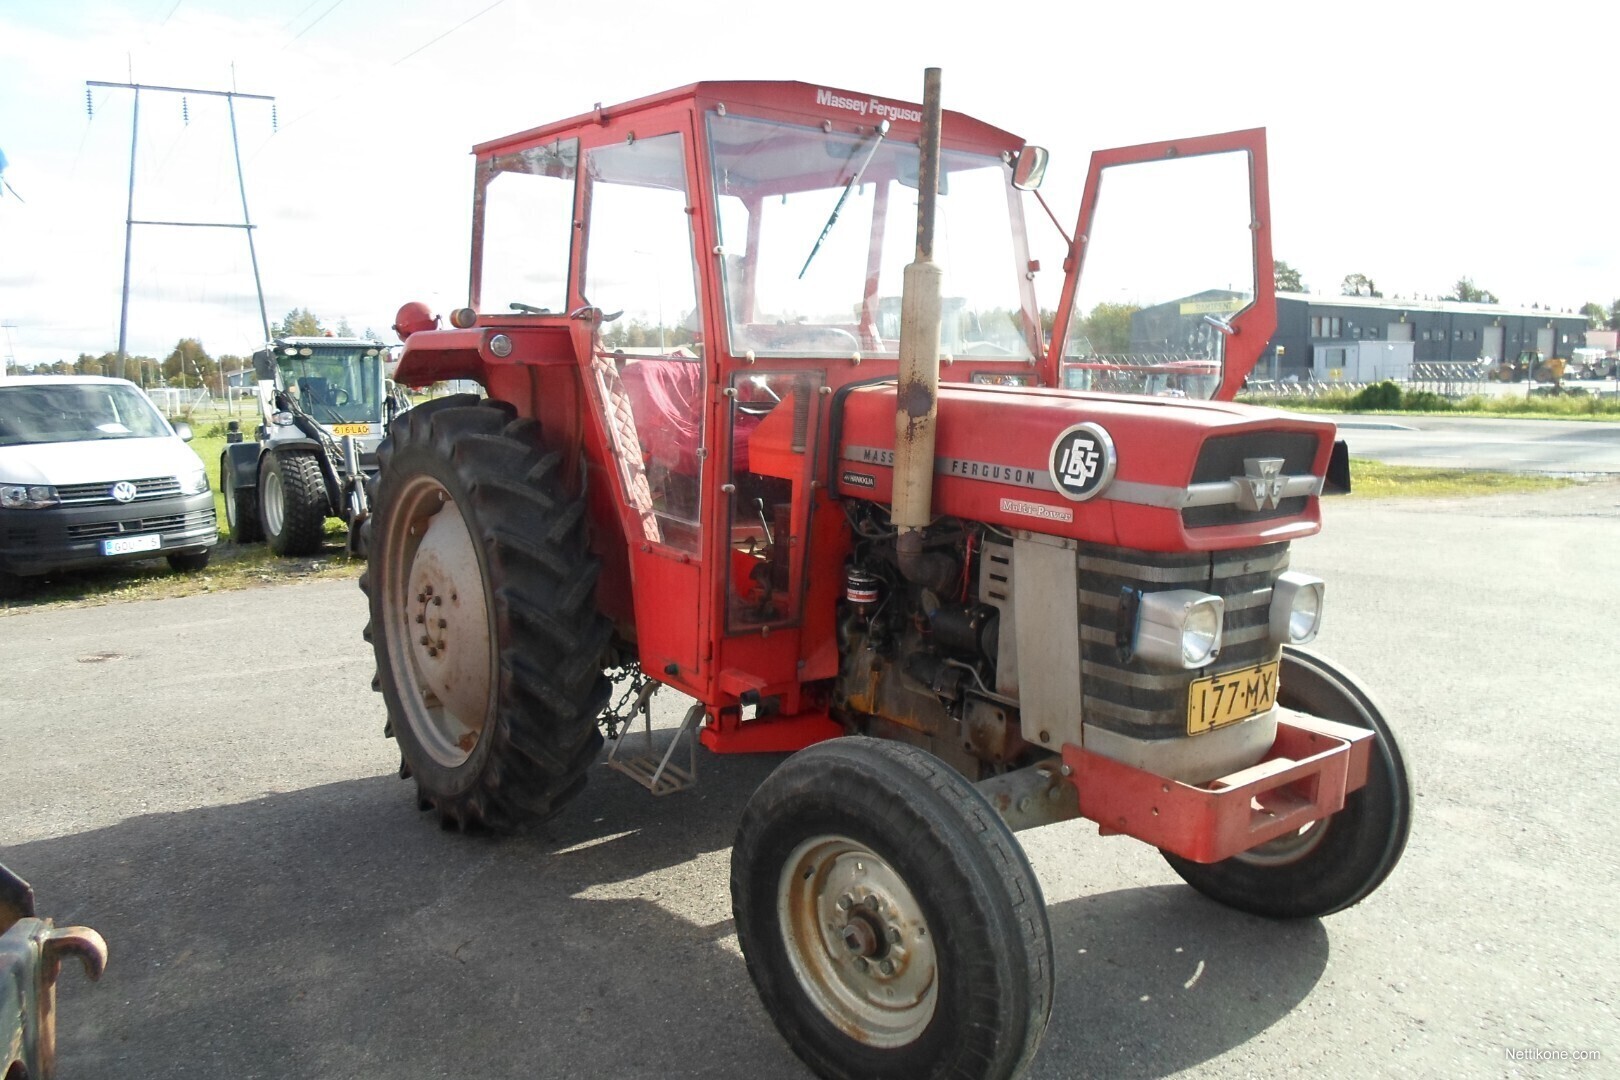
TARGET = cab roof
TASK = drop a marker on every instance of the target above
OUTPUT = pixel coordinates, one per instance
(810, 102)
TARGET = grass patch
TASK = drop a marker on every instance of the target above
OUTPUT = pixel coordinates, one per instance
(1387, 399)
(1376, 480)
(230, 567)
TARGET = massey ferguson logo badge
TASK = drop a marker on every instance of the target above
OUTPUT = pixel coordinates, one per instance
(1261, 485)
(124, 491)
(1083, 462)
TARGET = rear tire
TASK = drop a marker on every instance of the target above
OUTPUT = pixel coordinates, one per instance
(890, 922)
(241, 507)
(293, 507)
(475, 547)
(1336, 862)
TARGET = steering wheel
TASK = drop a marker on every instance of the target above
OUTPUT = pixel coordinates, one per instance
(340, 396)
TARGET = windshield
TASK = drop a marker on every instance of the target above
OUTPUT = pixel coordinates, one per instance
(816, 229)
(1169, 261)
(76, 413)
(333, 384)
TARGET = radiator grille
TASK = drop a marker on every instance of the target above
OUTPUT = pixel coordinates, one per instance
(153, 487)
(168, 523)
(1133, 698)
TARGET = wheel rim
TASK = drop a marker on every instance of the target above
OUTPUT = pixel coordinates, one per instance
(439, 626)
(230, 506)
(857, 941)
(1288, 848)
(273, 513)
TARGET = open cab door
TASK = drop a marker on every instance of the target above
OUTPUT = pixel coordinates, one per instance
(1168, 289)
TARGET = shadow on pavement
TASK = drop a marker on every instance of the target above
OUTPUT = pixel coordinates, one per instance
(334, 932)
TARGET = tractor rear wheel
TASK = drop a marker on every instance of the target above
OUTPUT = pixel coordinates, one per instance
(241, 507)
(292, 502)
(1334, 863)
(483, 619)
(890, 921)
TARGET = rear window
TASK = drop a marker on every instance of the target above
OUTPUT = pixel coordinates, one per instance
(76, 413)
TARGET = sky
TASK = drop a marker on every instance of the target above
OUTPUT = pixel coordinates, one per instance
(1412, 142)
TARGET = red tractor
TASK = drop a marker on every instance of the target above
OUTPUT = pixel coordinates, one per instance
(772, 418)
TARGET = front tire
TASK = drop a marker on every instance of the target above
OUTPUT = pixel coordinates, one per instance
(488, 643)
(292, 502)
(890, 922)
(1334, 863)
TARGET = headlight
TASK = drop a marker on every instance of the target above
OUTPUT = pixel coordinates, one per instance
(1296, 608)
(1180, 628)
(282, 419)
(194, 483)
(27, 496)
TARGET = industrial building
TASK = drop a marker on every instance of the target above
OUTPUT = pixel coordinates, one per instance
(1362, 339)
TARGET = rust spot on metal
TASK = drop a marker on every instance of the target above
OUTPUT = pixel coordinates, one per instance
(915, 399)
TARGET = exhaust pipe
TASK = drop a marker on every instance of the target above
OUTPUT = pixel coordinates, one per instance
(916, 398)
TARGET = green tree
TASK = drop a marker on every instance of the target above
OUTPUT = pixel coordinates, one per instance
(343, 328)
(300, 322)
(189, 364)
(1286, 277)
(1469, 293)
(1108, 328)
(1359, 285)
(1614, 315)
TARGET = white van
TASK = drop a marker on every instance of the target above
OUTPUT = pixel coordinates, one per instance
(91, 473)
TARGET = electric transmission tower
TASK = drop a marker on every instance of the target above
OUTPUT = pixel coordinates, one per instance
(130, 221)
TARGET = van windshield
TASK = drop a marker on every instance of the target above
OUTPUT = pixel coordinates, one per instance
(77, 412)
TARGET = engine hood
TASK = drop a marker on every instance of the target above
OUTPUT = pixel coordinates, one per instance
(96, 460)
(1146, 473)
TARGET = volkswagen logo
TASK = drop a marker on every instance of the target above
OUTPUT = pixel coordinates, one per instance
(124, 491)
(1082, 462)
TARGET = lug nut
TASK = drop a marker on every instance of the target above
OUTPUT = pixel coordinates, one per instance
(887, 967)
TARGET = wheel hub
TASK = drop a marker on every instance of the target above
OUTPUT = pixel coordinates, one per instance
(442, 615)
(858, 942)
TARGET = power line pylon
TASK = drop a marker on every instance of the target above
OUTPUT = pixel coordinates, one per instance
(130, 220)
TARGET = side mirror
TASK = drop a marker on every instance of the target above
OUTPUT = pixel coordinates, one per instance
(1031, 168)
(183, 430)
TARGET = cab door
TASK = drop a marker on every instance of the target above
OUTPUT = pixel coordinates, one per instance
(635, 304)
(1169, 288)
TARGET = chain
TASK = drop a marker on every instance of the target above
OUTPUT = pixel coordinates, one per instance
(638, 689)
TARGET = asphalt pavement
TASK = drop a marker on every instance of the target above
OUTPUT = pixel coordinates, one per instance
(205, 781)
(1567, 447)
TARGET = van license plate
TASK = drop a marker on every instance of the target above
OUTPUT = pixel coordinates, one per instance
(123, 545)
(1230, 697)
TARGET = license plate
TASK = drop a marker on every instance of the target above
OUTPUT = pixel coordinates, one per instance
(351, 429)
(1230, 697)
(123, 545)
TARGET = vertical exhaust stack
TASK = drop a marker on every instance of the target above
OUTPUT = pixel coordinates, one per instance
(916, 398)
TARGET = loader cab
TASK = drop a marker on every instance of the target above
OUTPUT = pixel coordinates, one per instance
(338, 382)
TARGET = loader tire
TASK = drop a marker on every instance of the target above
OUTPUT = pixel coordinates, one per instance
(1334, 863)
(241, 507)
(889, 919)
(292, 502)
(483, 616)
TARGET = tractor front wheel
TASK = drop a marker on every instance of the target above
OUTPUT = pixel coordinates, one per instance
(890, 921)
(488, 643)
(1334, 863)
(292, 502)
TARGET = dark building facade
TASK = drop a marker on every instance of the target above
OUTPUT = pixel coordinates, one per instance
(1317, 335)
